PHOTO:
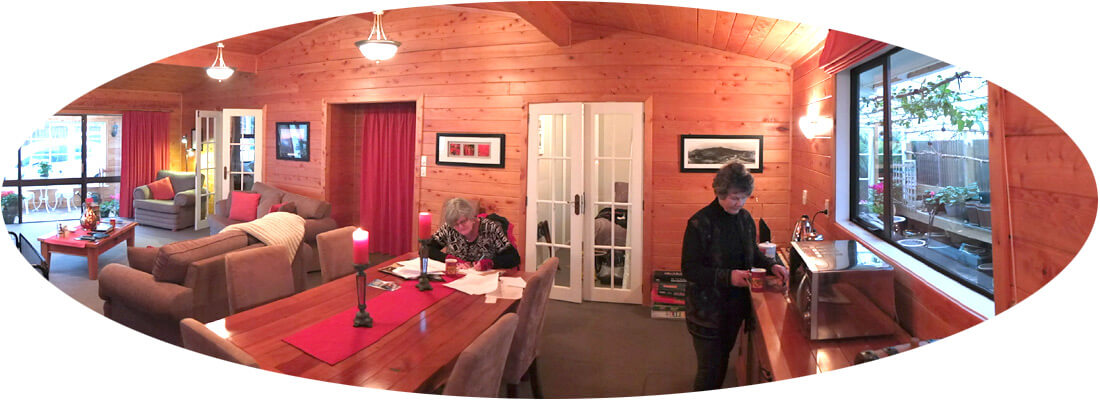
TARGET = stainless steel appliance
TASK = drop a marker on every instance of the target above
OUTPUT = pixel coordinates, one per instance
(841, 290)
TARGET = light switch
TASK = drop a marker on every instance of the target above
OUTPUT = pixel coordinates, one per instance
(423, 161)
(423, 171)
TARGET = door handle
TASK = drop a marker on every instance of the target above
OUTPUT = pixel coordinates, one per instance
(225, 172)
(576, 204)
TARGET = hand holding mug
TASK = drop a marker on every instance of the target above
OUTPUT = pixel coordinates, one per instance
(740, 278)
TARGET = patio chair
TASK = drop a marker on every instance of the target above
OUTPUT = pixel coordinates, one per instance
(67, 196)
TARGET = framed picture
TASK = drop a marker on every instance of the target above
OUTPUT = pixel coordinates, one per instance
(292, 141)
(470, 149)
(708, 153)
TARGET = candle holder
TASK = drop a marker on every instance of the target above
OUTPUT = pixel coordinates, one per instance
(362, 318)
(424, 284)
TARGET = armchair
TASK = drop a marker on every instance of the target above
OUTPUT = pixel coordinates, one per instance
(174, 214)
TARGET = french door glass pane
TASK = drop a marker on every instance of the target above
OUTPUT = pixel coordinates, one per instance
(104, 145)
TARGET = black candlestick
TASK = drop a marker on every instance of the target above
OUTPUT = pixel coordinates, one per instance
(424, 283)
(362, 318)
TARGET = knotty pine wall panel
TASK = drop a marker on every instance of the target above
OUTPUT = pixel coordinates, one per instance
(115, 101)
(477, 73)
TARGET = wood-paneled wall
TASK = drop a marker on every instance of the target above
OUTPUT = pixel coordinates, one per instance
(1045, 185)
(1050, 194)
(478, 72)
(115, 101)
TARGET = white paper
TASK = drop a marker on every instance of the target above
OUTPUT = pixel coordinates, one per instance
(516, 282)
(411, 268)
(474, 284)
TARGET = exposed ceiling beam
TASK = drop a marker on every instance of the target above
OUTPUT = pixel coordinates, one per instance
(205, 57)
(545, 16)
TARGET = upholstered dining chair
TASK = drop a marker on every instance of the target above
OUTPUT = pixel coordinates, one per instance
(257, 276)
(198, 338)
(531, 313)
(335, 253)
(478, 370)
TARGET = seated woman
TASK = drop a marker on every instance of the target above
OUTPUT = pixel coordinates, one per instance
(469, 238)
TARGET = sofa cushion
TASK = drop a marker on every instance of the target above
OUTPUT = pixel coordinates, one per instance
(308, 207)
(172, 259)
(162, 206)
(242, 206)
(284, 207)
(162, 189)
(181, 180)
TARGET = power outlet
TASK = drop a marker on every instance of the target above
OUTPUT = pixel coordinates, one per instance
(805, 194)
(826, 204)
(423, 171)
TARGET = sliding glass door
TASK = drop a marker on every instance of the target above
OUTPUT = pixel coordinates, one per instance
(72, 157)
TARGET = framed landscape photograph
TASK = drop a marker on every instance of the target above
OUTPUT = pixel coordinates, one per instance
(708, 153)
(292, 141)
(470, 149)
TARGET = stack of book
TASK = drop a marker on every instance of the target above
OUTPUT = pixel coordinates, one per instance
(668, 295)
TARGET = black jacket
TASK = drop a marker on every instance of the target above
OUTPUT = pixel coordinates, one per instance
(715, 243)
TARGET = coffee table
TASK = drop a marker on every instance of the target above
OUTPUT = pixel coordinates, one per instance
(124, 230)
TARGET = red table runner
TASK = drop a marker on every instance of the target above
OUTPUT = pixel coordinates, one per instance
(335, 339)
(70, 239)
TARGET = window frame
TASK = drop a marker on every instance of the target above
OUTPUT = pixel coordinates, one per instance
(882, 232)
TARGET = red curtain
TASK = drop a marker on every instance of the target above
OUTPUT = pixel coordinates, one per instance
(843, 50)
(144, 152)
(386, 190)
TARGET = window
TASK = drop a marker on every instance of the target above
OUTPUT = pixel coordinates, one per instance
(71, 157)
(920, 160)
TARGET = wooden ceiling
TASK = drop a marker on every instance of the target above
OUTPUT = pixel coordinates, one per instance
(780, 41)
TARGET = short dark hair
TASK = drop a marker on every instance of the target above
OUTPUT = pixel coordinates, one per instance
(732, 177)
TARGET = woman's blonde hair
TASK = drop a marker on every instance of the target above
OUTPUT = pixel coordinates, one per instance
(456, 209)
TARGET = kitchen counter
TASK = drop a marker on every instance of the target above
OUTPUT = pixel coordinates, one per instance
(775, 347)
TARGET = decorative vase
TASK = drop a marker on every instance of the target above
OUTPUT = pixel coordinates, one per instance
(90, 218)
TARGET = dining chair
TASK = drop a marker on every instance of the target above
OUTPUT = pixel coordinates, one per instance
(531, 313)
(334, 250)
(479, 367)
(198, 338)
(257, 276)
(63, 195)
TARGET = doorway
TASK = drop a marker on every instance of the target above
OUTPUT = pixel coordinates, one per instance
(227, 145)
(584, 198)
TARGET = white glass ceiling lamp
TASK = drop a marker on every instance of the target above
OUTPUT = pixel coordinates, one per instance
(377, 47)
(219, 70)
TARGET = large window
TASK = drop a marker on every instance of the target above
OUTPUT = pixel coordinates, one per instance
(920, 162)
(72, 157)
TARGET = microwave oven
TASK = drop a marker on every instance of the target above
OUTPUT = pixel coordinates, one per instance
(841, 290)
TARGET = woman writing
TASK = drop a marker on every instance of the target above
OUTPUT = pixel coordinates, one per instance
(718, 251)
(464, 235)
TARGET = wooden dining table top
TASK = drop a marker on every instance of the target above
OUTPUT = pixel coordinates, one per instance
(417, 356)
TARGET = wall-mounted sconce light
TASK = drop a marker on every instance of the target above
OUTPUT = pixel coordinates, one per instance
(814, 125)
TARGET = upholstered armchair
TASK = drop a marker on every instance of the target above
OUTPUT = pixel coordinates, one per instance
(175, 213)
(185, 279)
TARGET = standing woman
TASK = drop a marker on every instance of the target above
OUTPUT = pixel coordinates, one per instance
(719, 249)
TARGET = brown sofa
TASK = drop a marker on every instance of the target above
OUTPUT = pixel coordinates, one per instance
(317, 214)
(179, 280)
(174, 214)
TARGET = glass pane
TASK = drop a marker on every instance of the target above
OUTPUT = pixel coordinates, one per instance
(613, 135)
(560, 223)
(611, 226)
(869, 125)
(612, 268)
(562, 176)
(241, 128)
(604, 176)
(104, 145)
(107, 196)
(9, 201)
(55, 150)
(546, 178)
(11, 173)
(552, 135)
(940, 166)
(51, 203)
(543, 231)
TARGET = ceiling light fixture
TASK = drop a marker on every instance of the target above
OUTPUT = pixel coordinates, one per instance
(219, 70)
(377, 47)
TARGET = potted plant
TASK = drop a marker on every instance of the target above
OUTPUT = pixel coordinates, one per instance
(109, 207)
(44, 169)
(10, 202)
(953, 199)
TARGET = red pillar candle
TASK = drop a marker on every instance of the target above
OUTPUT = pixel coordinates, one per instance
(361, 243)
(425, 225)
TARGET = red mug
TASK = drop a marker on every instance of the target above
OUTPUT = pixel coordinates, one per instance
(756, 280)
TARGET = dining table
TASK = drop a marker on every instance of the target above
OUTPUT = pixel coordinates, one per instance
(416, 356)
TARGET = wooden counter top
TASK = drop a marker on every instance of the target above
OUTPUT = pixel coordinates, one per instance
(777, 344)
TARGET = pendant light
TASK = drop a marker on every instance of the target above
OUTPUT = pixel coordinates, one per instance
(377, 47)
(219, 70)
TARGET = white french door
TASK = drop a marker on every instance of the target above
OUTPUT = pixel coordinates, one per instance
(208, 127)
(584, 198)
(241, 157)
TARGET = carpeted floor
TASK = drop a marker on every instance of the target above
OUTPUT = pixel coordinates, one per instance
(587, 350)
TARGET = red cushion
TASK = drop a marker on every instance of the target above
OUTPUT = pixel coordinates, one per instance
(243, 206)
(161, 189)
(275, 207)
